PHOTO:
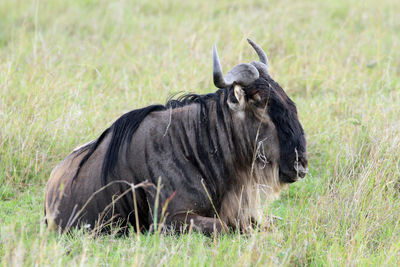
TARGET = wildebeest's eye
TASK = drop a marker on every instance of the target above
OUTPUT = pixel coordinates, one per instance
(257, 102)
(256, 97)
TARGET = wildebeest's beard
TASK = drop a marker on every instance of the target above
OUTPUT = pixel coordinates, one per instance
(283, 113)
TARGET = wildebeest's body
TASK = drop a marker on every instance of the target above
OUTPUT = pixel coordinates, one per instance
(209, 153)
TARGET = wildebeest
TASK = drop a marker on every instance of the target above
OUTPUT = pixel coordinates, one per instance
(199, 160)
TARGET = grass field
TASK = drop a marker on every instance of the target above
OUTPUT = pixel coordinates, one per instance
(68, 69)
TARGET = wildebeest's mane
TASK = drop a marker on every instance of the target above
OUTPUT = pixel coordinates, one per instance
(190, 98)
(125, 126)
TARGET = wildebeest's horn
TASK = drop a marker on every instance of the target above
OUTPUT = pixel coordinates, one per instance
(218, 76)
(260, 52)
(262, 65)
(243, 74)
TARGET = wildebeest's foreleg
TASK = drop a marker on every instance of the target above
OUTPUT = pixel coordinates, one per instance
(184, 221)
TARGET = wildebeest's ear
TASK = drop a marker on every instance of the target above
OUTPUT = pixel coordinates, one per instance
(237, 101)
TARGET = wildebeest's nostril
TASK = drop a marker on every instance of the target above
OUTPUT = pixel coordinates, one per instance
(300, 169)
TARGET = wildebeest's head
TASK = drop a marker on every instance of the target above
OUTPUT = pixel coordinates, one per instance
(253, 94)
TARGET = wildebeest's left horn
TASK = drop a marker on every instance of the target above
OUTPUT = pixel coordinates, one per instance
(262, 65)
(260, 52)
(242, 74)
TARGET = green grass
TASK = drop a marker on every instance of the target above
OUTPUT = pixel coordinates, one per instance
(69, 68)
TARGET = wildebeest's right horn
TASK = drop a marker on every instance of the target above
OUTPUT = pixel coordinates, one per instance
(242, 74)
(262, 65)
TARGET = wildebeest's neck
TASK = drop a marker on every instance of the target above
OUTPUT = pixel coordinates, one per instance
(213, 138)
(227, 137)
(208, 120)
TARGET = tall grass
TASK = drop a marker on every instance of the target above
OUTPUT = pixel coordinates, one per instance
(69, 68)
